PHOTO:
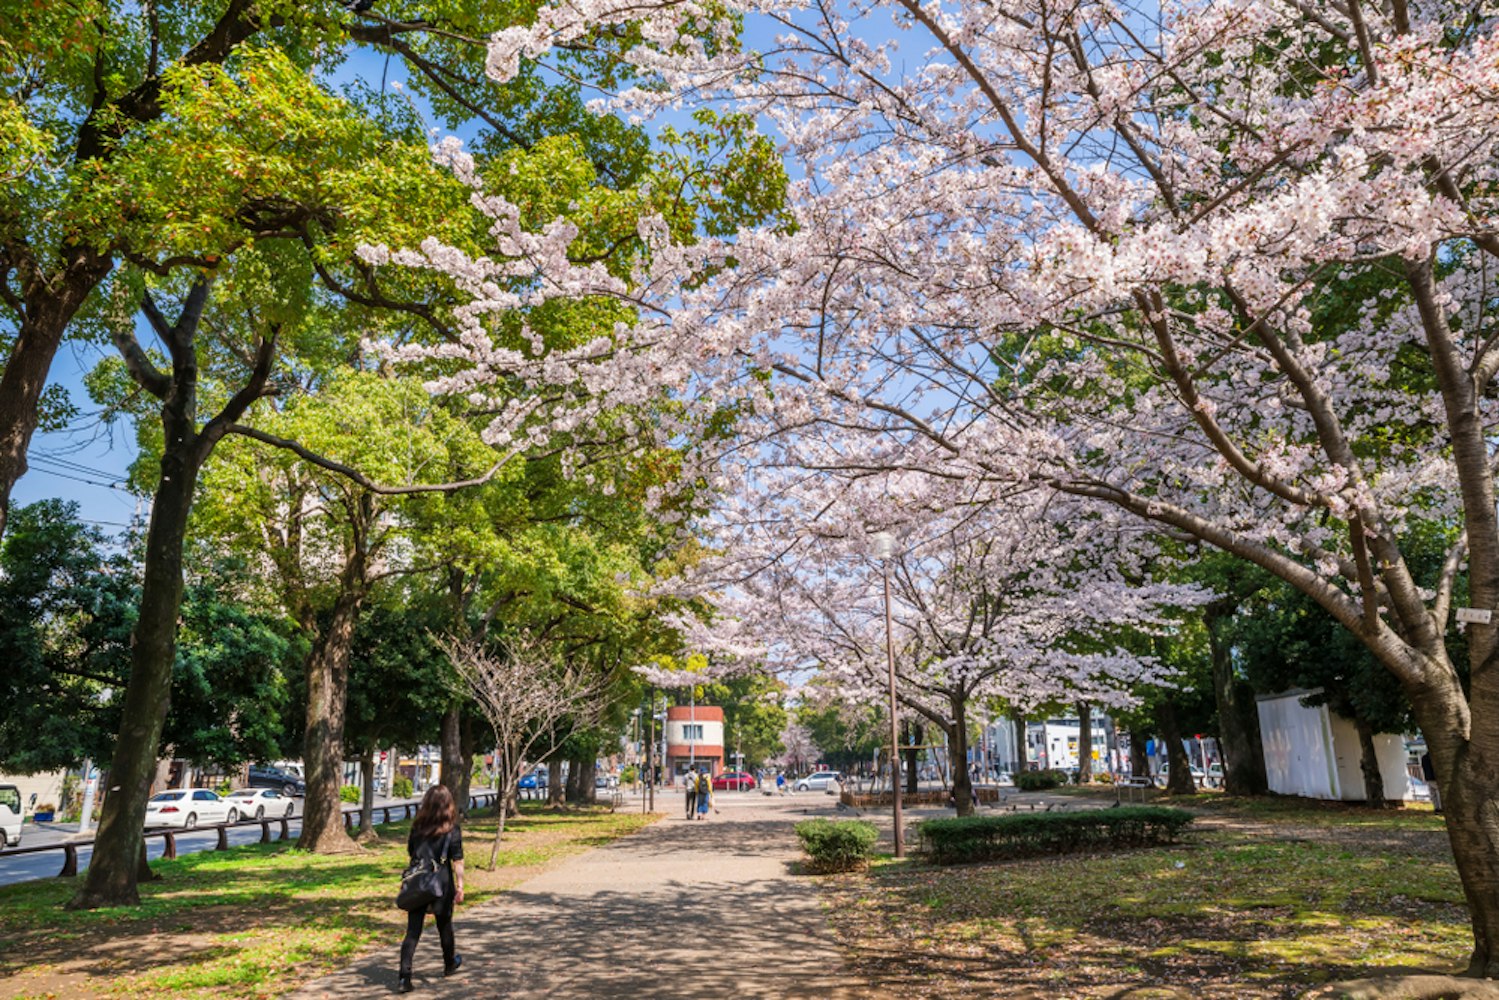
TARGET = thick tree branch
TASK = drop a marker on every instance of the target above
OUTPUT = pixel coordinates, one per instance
(359, 478)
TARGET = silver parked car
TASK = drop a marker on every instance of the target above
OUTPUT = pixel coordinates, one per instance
(817, 781)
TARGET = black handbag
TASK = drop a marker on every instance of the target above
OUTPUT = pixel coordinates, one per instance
(424, 882)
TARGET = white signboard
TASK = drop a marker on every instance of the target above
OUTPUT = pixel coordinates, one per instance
(1477, 616)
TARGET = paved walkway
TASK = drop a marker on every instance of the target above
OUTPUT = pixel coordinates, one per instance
(679, 910)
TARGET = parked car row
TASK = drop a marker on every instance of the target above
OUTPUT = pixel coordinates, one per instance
(188, 808)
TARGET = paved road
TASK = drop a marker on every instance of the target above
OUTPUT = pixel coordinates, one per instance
(46, 864)
(680, 911)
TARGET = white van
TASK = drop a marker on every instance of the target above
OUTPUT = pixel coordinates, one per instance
(10, 815)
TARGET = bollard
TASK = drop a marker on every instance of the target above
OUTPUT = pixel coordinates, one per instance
(223, 843)
(69, 862)
(169, 851)
(265, 831)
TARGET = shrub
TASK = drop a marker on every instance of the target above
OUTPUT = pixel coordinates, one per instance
(629, 775)
(400, 787)
(1104, 777)
(349, 793)
(1035, 781)
(988, 838)
(837, 846)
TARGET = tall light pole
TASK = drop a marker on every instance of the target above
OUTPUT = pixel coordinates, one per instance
(884, 548)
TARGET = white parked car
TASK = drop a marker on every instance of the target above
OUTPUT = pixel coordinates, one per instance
(10, 816)
(188, 808)
(258, 803)
(817, 781)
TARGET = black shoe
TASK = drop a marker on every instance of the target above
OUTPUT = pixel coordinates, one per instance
(448, 970)
(403, 984)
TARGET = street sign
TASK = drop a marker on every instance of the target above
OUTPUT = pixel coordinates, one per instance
(1477, 616)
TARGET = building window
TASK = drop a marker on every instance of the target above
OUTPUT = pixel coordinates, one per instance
(692, 732)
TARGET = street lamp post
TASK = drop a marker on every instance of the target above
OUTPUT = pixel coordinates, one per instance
(884, 546)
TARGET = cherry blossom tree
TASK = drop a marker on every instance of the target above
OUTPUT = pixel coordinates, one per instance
(1225, 267)
(1022, 601)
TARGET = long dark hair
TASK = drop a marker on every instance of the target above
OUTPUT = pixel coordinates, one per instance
(437, 814)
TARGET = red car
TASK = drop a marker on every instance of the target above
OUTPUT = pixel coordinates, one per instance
(733, 780)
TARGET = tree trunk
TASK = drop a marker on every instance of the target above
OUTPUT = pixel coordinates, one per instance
(555, 792)
(1179, 781)
(509, 783)
(576, 794)
(957, 757)
(1020, 748)
(452, 755)
(1084, 743)
(367, 806)
(115, 866)
(327, 690)
(1139, 760)
(587, 780)
(1238, 718)
(466, 755)
(49, 309)
(1369, 765)
(913, 768)
(1467, 773)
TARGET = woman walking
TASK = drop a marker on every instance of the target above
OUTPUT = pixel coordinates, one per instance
(435, 836)
(704, 794)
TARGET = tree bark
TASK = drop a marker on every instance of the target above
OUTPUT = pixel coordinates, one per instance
(1238, 717)
(912, 761)
(1020, 748)
(555, 791)
(576, 793)
(1369, 764)
(367, 800)
(1179, 781)
(1084, 743)
(466, 756)
(452, 755)
(1139, 760)
(327, 694)
(957, 757)
(50, 307)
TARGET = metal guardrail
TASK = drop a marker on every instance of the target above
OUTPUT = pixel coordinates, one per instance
(70, 848)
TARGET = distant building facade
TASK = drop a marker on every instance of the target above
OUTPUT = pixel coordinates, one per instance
(694, 739)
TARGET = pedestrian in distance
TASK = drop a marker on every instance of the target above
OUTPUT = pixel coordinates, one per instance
(704, 794)
(435, 836)
(1429, 772)
(781, 782)
(690, 780)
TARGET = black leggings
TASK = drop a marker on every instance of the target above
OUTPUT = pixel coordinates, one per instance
(414, 921)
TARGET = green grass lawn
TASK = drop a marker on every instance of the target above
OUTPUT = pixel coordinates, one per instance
(254, 921)
(1267, 900)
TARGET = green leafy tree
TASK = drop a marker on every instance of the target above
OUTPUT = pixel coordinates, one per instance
(67, 604)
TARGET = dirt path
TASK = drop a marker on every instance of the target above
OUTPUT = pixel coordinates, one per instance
(680, 910)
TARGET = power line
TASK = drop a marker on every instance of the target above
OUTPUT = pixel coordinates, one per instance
(82, 479)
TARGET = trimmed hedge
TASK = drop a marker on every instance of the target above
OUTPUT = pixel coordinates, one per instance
(1020, 835)
(837, 846)
(400, 787)
(1036, 781)
(350, 794)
